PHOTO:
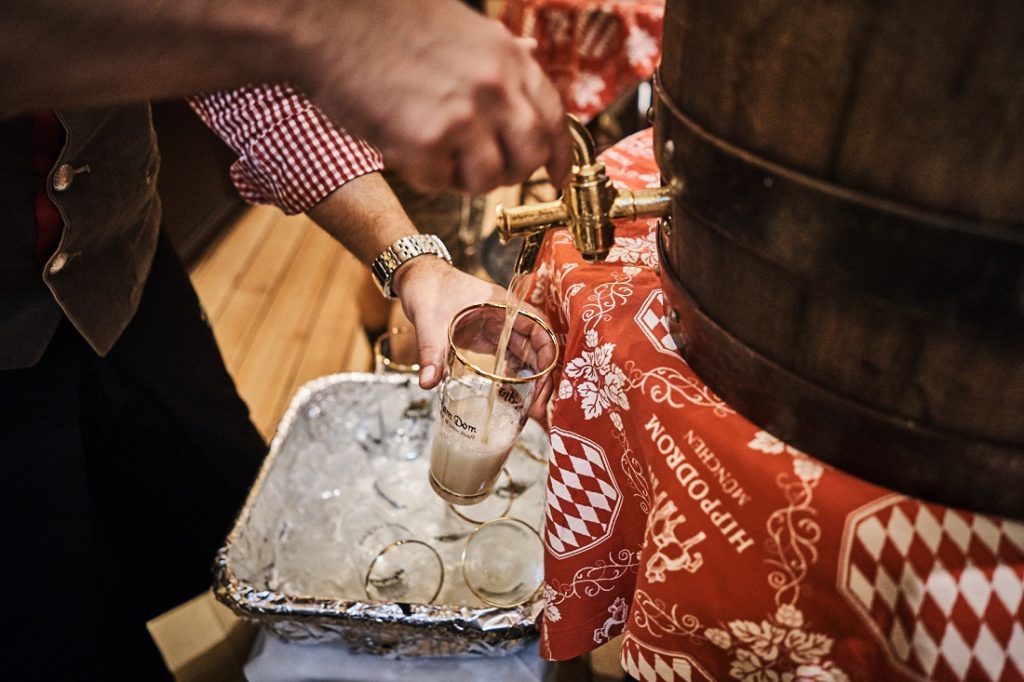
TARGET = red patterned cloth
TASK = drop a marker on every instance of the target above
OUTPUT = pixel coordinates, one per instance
(593, 50)
(290, 155)
(719, 550)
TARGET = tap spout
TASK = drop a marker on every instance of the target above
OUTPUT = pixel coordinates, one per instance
(527, 257)
(588, 207)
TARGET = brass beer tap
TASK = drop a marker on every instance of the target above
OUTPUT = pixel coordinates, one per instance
(588, 207)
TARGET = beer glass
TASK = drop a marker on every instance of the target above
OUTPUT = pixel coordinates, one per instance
(491, 507)
(395, 351)
(483, 407)
(389, 562)
(503, 562)
(400, 430)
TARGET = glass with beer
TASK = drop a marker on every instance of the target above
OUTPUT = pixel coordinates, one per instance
(493, 374)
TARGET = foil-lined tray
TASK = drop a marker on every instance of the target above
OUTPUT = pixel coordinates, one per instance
(356, 439)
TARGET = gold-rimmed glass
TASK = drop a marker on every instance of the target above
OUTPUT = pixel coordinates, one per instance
(392, 564)
(483, 408)
(396, 351)
(503, 562)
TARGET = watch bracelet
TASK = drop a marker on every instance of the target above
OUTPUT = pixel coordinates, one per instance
(401, 251)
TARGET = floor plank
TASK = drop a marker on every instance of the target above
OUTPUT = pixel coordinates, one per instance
(254, 290)
(282, 334)
(335, 332)
(280, 296)
(220, 269)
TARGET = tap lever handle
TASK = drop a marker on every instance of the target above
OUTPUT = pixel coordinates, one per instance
(584, 151)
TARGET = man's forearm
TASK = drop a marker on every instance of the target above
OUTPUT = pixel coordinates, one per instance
(59, 54)
(451, 98)
(364, 215)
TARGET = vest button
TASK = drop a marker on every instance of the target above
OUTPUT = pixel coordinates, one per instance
(60, 259)
(64, 175)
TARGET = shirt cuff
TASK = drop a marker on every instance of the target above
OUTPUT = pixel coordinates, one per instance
(290, 154)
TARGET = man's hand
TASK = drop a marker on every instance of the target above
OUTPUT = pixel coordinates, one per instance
(432, 292)
(451, 98)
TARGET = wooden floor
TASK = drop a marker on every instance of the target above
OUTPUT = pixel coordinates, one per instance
(281, 297)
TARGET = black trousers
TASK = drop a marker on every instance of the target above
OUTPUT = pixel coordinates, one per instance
(119, 479)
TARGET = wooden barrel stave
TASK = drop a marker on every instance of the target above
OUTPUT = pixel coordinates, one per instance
(741, 85)
(853, 215)
(867, 349)
(938, 105)
(902, 99)
(975, 384)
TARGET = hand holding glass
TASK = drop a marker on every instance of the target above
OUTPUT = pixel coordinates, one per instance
(483, 407)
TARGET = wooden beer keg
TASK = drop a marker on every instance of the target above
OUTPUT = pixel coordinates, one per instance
(845, 260)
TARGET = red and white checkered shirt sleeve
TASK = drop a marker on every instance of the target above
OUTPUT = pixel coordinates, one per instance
(289, 153)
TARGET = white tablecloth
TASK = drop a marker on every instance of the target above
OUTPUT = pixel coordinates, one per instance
(273, 660)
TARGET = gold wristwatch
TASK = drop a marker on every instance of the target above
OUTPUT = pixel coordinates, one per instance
(384, 266)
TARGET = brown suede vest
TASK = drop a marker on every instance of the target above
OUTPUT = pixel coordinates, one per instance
(104, 185)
